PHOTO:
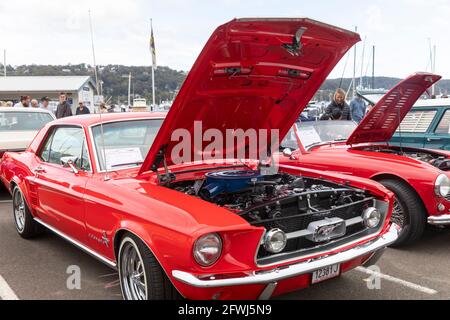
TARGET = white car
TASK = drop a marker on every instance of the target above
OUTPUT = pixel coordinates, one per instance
(18, 127)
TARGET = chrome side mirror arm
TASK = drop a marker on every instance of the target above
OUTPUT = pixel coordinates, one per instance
(69, 162)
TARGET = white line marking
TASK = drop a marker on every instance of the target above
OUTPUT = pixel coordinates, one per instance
(5, 201)
(6, 293)
(398, 281)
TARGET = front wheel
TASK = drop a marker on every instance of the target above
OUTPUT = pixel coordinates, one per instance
(409, 212)
(141, 276)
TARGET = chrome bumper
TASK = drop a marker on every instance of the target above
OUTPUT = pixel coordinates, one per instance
(441, 220)
(274, 275)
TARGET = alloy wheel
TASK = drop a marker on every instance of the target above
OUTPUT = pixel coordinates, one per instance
(133, 279)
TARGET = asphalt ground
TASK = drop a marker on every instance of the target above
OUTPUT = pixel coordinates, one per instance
(42, 268)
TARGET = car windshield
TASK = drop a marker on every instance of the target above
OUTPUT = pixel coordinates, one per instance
(23, 121)
(126, 142)
(315, 132)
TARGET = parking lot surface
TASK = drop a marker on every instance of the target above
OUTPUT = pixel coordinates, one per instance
(38, 269)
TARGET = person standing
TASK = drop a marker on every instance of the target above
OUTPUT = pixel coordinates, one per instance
(63, 110)
(337, 107)
(34, 103)
(44, 103)
(24, 102)
(358, 108)
(82, 109)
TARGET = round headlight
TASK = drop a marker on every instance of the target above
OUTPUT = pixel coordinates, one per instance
(442, 185)
(371, 217)
(275, 240)
(207, 249)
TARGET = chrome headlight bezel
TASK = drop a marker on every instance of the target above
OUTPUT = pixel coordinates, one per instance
(442, 185)
(372, 217)
(213, 241)
(275, 234)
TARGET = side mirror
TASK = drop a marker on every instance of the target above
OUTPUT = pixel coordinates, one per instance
(69, 162)
(287, 152)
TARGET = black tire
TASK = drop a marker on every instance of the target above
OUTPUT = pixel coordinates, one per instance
(414, 211)
(27, 228)
(157, 284)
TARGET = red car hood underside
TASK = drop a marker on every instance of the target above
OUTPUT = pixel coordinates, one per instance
(382, 121)
(250, 74)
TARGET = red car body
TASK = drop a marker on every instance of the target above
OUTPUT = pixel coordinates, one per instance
(246, 77)
(367, 152)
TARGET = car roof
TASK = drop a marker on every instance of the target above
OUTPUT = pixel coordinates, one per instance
(440, 102)
(96, 118)
(23, 109)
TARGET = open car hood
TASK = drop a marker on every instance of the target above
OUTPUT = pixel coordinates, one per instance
(251, 74)
(382, 121)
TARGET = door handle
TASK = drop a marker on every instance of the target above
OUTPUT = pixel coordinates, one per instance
(433, 139)
(39, 170)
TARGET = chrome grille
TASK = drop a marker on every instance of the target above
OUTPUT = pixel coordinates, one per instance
(298, 244)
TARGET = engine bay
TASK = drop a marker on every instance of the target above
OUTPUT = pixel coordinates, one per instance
(270, 200)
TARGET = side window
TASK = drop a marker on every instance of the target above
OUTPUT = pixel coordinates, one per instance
(444, 124)
(417, 121)
(66, 142)
(45, 151)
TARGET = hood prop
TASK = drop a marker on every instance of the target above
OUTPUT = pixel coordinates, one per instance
(165, 177)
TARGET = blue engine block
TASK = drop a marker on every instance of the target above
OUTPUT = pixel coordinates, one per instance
(228, 182)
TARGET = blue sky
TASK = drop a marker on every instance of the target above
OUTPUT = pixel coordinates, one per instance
(57, 32)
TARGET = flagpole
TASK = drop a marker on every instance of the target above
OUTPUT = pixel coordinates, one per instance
(153, 75)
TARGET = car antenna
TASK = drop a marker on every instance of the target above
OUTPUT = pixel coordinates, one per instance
(106, 177)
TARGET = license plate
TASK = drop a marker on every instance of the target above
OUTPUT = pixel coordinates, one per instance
(325, 273)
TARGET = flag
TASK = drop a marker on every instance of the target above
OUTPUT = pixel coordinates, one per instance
(153, 49)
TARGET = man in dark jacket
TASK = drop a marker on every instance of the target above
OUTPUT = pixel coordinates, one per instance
(63, 110)
(82, 109)
(337, 106)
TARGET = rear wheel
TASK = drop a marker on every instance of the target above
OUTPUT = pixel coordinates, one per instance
(25, 224)
(408, 213)
(141, 276)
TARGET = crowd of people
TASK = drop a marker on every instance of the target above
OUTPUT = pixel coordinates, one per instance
(62, 110)
(338, 109)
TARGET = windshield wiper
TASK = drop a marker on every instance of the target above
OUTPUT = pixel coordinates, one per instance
(127, 164)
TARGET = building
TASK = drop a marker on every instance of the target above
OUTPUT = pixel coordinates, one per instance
(77, 88)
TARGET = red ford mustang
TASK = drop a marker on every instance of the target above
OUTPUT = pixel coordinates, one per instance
(418, 177)
(207, 229)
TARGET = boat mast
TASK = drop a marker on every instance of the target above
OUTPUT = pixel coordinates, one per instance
(354, 67)
(433, 66)
(373, 67)
(4, 62)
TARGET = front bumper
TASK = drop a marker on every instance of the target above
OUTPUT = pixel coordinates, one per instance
(271, 277)
(441, 220)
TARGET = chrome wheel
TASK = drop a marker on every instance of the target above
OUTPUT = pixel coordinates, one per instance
(19, 211)
(132, 272)
(399, 215)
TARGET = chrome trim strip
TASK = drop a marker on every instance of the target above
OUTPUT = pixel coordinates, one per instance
(294, 270)
(78, 244)
(441, 220)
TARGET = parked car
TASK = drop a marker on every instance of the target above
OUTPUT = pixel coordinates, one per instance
(418, 177)
(18, 126)
(201, 229)
(427, 125)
